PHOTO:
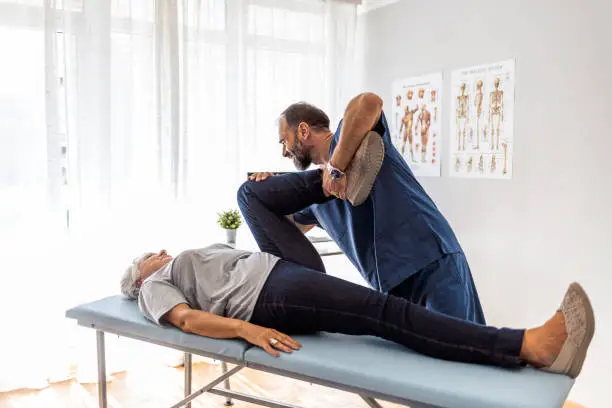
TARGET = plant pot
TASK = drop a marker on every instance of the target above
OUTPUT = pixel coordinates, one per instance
(231, 237)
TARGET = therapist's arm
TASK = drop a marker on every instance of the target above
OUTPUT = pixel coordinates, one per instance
(210, 325)
(360, 116)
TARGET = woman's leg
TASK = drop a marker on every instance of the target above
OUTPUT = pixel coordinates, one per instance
(296, 299)
(265, 204)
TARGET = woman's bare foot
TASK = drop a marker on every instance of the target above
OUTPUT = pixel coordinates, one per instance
(542, 345)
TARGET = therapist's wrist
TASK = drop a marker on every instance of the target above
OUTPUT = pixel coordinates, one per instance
(334, 171)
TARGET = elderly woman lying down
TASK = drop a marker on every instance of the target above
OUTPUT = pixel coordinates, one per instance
(221, 292)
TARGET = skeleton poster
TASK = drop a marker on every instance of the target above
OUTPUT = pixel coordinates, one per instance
(482, 121)
(416, 122)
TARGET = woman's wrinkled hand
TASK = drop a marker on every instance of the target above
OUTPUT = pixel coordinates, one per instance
(261, 176)
(268, 339)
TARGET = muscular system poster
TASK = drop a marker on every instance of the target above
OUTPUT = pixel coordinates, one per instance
(482, 121)
(416, 122)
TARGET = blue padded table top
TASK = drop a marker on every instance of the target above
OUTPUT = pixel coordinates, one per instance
(385, 368)
(120, 315)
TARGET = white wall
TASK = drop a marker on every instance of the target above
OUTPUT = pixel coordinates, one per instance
(527, 238)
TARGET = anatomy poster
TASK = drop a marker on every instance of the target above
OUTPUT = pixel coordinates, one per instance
(416, 122)
(482, 121)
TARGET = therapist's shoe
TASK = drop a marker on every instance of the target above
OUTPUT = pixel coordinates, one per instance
(364, 167)
(580, 327)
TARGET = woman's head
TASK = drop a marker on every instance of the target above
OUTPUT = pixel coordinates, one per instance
(140, 269)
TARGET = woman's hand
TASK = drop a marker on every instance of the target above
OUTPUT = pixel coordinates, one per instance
(261, 176)
(268, 339)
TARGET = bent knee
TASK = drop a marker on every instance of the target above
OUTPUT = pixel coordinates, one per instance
(244, 191)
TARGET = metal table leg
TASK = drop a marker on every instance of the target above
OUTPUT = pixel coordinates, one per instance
(187, 366)
(207, 387)
(228, 400)
(371, 402)
(101, 369)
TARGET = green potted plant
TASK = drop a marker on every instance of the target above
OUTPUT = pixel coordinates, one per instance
(230, 220)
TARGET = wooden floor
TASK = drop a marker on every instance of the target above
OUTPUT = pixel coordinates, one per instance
(163, 386)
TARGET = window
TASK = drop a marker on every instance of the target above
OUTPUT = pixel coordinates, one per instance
(23, 133)
(285, 63)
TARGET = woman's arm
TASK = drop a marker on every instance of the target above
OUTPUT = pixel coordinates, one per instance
(210, 325)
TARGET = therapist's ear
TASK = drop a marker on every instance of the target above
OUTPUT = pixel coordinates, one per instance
(303, 131)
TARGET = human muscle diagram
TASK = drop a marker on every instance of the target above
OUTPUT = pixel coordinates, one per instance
(482, 126)
(416, 122)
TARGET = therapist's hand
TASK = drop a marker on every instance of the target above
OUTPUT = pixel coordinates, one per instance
(268, 339)
(260, 176)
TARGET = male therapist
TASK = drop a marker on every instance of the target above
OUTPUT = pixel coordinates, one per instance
(393, 233)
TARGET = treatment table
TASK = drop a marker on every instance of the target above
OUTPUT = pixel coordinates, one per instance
(370, 367)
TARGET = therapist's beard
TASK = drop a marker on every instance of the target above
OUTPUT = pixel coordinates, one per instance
(301, 157)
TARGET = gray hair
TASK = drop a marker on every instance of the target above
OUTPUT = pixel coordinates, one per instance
(129, 280)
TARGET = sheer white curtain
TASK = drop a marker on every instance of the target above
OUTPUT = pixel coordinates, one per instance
(294, 51)
(125, 126)
(27, 198)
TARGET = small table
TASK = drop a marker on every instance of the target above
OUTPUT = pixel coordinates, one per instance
(324, 250)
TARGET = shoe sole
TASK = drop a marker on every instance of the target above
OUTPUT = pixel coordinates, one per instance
(580, 356)
(364, 167)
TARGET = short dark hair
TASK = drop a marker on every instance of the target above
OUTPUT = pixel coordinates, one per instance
(305, 112)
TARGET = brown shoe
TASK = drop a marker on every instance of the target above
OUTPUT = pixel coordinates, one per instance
(580, 327)
(363, 168)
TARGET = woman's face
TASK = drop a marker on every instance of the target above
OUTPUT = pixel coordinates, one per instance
(153, 263)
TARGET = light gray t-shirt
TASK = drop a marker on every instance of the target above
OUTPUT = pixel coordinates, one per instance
(217, 279)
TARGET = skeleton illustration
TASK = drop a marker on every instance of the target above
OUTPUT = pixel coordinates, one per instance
(496, 113)
(478, 105)
(463, 113)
